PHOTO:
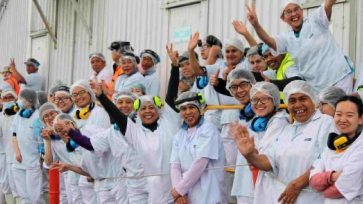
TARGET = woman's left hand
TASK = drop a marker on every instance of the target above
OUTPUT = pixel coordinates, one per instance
(290, 194)
(182, 200)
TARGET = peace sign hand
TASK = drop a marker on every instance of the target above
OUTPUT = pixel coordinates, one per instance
(251, 15)
(173, 55)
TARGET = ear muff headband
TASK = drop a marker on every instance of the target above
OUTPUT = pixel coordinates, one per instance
(26, 113)
(259, 124)
(84, 113)
(199, 97)
(156, 99)
(340, 142)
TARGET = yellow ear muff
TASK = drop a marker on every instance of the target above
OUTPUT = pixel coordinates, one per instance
(137, 104)
(158, 102)
(84, 113)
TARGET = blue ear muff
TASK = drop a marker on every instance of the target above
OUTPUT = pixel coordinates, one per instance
(247, 113)
(202, 82)
(26, 113)
(259, 124)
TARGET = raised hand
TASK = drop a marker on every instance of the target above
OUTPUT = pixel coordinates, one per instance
(45, 134)
(12, 63)
(95, 86)
(245, 143)
(193, 42)
(251, 15)
(173, 55)
(213, 79)
(240, 28)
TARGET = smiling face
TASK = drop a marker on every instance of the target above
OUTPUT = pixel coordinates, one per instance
(258, 63)
(128, 66)
(187, 69)
(233, 55)
(301, 107)
(274, 62)
(241, 91)
(81, 97)
(293, 15)
(125, 105)
(63, 102)
(262, 105)
(190, 114)
(347, 118)
(148, 113)
(48, 117)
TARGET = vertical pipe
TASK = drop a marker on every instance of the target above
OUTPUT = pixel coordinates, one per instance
(53, 186)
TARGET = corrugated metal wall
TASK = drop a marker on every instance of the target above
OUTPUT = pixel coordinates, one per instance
(359, 58)
(14, 33)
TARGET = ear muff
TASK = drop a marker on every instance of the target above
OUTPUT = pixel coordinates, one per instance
(259, 124)
(156, 99)
(12, 110)
(339, 142)
(202, 82)
(84, 113)
(137, 104)
(247, 113)
(26, 113)
(202, 98)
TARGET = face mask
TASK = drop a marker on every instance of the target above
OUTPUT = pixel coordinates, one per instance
(21, 104)
(8, 105)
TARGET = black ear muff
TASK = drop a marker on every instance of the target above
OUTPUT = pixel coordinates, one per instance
(247, 113)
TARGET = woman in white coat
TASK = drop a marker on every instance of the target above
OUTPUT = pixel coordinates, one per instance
(26, 166)
(196, 147)
(151, 135)
(338, 173)
(298, 145)
(268, 122)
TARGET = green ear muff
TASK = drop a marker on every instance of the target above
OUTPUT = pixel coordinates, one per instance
(84, 113)
(202, 98)
(199, 98)
(158, 102)
(137, 104)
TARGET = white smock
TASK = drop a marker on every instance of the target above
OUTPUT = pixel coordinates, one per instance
(105, 74)
(152, 84)
(349, 163)
(154, 149)
(33, 81)
(124, 82)
(264, 189)
(319, 58)
(112, 143)
(205, 142)
(359, 82)
(295, 150)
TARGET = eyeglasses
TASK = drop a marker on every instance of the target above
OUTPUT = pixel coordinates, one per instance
(288, 13)
(263, 100)
(204, 47)
(61, 99)
(52, 114)
(81, 93)
(243, 85)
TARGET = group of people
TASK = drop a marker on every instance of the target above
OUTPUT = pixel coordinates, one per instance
(114, 140)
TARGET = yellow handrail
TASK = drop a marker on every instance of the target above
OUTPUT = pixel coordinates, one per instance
(229, 107)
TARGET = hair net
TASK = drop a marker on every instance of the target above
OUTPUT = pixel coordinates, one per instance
(285, 3)
(185, 57)
(254, 51)
(54, 88)
(139, 85)
(9, 91)
(195, 102)
(64, 116)
(124, 94)
(45, 107)
(98, 55)
(84, 84)
(239, 74)
(131, 56)
(268, 89)
(150, 53)
(63, 89)
(299, 86)
(236, 43)
(42, 98)
(148, 98)
(331, 95)
(30, 96)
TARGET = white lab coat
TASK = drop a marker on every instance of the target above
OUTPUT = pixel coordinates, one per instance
(264, 189)
(204, 143)
(295, 150)
(124, 82)
(350, 163)
(112, 143)
(154, 149)
(105, 74)
(319, 58)
(27, 174)
(152, 84)
(359, 81)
